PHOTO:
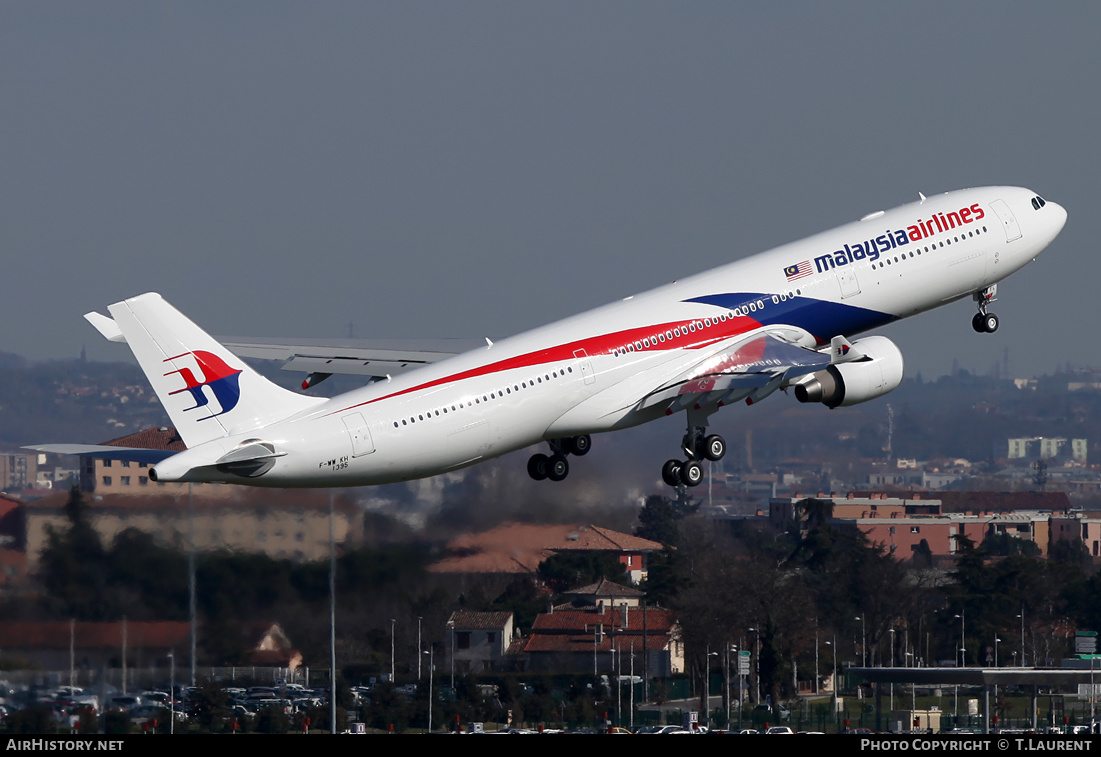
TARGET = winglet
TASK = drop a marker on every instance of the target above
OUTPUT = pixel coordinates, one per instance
(105, 326)
(842, 351)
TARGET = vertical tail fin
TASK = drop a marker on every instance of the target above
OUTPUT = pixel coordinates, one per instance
(207, 391)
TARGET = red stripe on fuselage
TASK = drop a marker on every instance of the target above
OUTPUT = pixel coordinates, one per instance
(604, 344)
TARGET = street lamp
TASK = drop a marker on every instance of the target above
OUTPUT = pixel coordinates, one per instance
(756, 664)
(707, 684)
(913, 686)
(726, 678)
(431, 652)
(892, 632)
(172, 692)
(963, 638)
(392, 625)
(863, 643)
(816, 656)
(1022, 617)
(451, 630)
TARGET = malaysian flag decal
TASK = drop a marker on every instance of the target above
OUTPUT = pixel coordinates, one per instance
(798, 270)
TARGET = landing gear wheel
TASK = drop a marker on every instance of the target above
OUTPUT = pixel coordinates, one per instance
(990, 323)
(538, 466)
(580, 445)
(691, 473)
(558, 468)
(978, 323)
(670, 473)
(714, 448)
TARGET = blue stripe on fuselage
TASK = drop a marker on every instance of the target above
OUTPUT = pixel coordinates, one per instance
(823, 319)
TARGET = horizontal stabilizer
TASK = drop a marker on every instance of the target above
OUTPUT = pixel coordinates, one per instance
(107, 452)
(106, 326)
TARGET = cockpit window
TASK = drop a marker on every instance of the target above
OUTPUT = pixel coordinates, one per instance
(1038, 202)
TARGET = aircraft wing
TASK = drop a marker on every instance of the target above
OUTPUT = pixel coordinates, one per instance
(749, 369)
(378, 358)
(323, 357)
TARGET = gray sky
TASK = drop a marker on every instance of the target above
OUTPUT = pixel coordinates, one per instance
(471, 168)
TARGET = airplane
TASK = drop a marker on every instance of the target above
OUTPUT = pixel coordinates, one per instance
(778, 320)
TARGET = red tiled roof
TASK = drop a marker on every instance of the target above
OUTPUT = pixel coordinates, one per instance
(7, 504)
(584, 642)
(164, 437)
(573, 631)
(479, 621)
(519, 547)
(986, 501)
(606, 588)
(574, 621)
(606, 540)
(55, 635)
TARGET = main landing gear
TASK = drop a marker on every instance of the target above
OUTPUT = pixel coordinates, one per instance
(555, 466)
(697, 446)
(984, 322)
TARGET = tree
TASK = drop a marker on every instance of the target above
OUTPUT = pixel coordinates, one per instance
(1004, 545)
(210, 705)
(567, 570)
(659, 519)
(74, 565)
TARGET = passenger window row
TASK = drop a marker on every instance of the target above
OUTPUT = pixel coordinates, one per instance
(946, 242)
(498, 394)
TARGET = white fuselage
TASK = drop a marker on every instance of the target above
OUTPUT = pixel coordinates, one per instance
(587, 374)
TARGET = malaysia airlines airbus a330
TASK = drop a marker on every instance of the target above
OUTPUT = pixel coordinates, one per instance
(781, 319)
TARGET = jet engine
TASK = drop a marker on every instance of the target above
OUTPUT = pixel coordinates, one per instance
(877, 371)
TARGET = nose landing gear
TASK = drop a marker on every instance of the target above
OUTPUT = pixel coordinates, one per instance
(984, 322)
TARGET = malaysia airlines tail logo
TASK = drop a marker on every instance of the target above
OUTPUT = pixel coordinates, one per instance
(223, 382)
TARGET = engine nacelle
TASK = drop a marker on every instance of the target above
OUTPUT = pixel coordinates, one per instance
(873, 375)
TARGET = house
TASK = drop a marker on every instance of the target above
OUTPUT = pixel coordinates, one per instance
(479, 640)
(518, 548)
(611, 639)
(605, 593)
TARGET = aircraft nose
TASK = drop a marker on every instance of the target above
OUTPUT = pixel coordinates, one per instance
(1058, 214)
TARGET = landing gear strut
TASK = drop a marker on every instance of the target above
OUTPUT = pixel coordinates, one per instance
(555, 466)
(697, 445)
(984, 322)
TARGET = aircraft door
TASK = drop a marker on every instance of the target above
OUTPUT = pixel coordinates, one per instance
(1009, 221)
(846, 277)
(360, 435)
(585, 366)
